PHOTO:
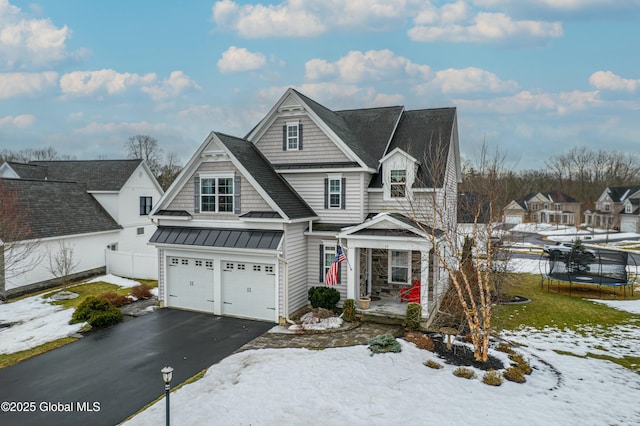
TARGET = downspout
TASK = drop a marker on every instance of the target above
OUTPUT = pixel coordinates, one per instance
(286, 288)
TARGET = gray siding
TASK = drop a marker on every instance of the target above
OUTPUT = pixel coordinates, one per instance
(313, 267)
(296, 254)
(316, 145)
(250, 199)
(310, 186)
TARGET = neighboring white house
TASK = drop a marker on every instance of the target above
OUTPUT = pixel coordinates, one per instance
(615, 209)
(252, 223)
(99, 208)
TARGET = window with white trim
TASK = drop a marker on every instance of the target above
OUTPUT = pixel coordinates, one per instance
(329, 257)
(628, 208)
(335, 193)
(534, 206)
(398, 182)
(399, 266)
(146, 204)
(607, 207)
(293, 136)
(216, 194)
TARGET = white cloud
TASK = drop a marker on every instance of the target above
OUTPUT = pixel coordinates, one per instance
(24, 120)
(20, 84)
(606, 80)
(561, 103)
(298, 18)
(128, 128)
(176, 84)
(27, 42)
(84, 83)
(374, 65)
(467, 80)
(481, 28)
(562, 5)
(239, 59)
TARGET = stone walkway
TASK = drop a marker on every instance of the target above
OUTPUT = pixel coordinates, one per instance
(358, 335)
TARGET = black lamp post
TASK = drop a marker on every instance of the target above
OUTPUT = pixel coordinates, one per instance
(167, 374)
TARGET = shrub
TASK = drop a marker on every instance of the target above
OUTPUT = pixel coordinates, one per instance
(413, 316)
(521, 363)
(384, 343)
(492, 378)
(115, 299)
(420, 340)
(433, 364)
(324, 297)
(505, 347)
(514, 374)
(97, 312)
(464, 372)
(349, 310)
(141, 291)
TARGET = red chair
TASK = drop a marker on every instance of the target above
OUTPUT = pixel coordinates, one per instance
(411, 294)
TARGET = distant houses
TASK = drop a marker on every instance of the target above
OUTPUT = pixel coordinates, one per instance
(554, 207)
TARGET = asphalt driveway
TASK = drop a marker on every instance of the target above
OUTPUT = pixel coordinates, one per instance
(109, 375)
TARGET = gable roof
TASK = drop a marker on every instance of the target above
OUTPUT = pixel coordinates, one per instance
(28, 171)
(252, 160)
(619, 193)
(54, 209)
(97, 175)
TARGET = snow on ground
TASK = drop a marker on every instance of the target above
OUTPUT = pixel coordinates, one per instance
(348, 386)
(632, 306)
(112, 279)
(33, 321)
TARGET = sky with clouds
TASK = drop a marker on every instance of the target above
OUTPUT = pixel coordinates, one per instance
(533, 78)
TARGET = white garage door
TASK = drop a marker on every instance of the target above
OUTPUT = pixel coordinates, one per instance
(248, 290)
(190, 283)
(627, 226)
(513, 219)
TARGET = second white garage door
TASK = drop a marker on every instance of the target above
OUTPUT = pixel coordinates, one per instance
(248, 290)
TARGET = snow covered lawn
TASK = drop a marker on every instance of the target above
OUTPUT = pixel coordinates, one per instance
(33, 321)
(348, 386)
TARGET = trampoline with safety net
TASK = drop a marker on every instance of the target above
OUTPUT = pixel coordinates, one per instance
(608, 270)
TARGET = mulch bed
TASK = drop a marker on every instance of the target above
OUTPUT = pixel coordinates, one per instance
(458, 355)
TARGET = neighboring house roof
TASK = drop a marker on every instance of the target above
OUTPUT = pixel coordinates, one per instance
(28, 171)
(54, 209)
(214, 237)
(97, 175)
(620, 193)
(468, 203)
(556, 196)
(276, 187)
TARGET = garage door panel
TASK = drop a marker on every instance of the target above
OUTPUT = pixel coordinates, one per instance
(248, 290)
(190, 284)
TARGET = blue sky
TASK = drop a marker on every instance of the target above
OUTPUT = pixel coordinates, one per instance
(532, 77)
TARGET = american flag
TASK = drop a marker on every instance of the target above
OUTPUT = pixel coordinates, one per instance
(332, 273)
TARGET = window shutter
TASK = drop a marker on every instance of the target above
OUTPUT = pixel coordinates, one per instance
(326, 193)
(300, 136)
(141, 206)
(196, 194)
(236, 194)
(343, 192)
(284, 137)
(321, 278)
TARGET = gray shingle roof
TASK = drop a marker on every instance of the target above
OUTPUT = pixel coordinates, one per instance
(617, 192)
(97, 175)
(28, 171)
(53, 209)
(365, 131)
(214, 237)
(262, 171)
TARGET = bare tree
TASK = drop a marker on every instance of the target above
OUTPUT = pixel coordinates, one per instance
(26, 155)
(18, 248)
(62, 261)
(470, 277)
(169, 170)
(145, 148)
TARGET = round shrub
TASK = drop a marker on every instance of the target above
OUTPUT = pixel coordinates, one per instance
(384, 343)
(492, 378)
(433, 364)
(514, 374)
(324, 297)
(349, 310)
(464, 372)
(115, 299)
(97, 312)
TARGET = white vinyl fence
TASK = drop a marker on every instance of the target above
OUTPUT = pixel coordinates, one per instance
(132, 265)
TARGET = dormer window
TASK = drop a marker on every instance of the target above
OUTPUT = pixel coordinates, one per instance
(398, 183)
(292, 136)
(607, 207)
(628, 208)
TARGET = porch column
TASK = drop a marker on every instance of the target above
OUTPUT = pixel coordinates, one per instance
(353, 275)
(424, 282)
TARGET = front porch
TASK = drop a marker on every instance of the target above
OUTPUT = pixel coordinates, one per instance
(385, 309)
